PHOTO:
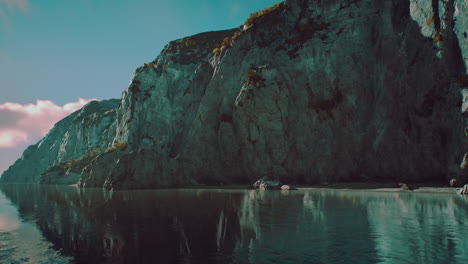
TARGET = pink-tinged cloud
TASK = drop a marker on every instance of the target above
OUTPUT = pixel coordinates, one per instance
(8, 221)
(8, 7)
(11, 137)
(26, 123)
(11, 5)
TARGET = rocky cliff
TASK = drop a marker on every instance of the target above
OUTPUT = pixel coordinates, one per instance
(70, 139)
(307, 91)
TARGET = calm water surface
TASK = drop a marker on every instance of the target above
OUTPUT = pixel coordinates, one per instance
(51, 224)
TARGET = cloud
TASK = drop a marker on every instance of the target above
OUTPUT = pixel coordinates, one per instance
(8, 119)
(8, 220)
(8, 7)
(10, 138)
(11, 5)
(25, 123)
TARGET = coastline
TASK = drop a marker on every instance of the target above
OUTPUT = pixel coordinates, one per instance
(428, 187)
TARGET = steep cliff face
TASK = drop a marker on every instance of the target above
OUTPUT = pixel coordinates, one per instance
(311, 91)
(155, 115)
(338, 90)
(83, 130)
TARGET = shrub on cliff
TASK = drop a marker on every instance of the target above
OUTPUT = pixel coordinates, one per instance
(248, 23)
(216, 51)
(120, 145)
(255, 15)
(76, 164)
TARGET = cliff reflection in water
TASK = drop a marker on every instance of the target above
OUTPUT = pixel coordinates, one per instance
(203, 226)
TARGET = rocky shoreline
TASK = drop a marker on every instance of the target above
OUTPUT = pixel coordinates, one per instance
(351, 186)
(378, 187)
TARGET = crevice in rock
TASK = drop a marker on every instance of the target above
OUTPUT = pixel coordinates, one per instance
(456, 55)
(435, 9)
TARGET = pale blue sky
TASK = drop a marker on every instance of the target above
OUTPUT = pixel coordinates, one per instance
(63, 49)
(60, 50)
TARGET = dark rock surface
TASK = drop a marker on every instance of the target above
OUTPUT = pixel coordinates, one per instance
(314, 91)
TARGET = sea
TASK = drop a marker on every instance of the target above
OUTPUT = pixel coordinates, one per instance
(65, 224)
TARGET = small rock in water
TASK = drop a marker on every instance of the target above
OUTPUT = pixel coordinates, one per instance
(257, 184)
(405, 186)
(264, 184)
(453, 183)
(285, 187)
(464, 190)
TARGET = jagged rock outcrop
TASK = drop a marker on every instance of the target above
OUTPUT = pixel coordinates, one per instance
(69, 139)
(155, 115)
(312, 91)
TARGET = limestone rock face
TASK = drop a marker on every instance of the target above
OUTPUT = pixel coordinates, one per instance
(87, 128)
(165, 93)
(460, 27)
(312, 91)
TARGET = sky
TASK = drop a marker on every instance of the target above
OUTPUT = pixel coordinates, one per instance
(57, 55)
